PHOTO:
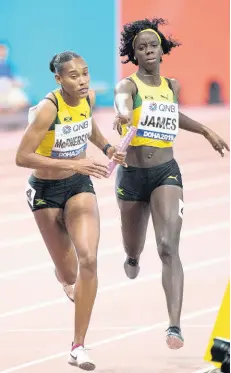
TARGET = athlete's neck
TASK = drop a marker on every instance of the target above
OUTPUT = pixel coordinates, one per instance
(70, 100)
(150, 77)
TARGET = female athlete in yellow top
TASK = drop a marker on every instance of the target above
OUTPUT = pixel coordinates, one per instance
(60, 192)
(152, 181)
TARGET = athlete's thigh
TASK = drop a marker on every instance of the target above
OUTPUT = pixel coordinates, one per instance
(134, 210)
(166, 205)
(52, 228)
(82, 220)
(134, 221)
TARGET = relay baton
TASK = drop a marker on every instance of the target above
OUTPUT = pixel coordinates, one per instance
(123, 145)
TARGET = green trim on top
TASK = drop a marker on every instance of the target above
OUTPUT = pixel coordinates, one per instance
(175, 99)
(56, 121)
(137, 101)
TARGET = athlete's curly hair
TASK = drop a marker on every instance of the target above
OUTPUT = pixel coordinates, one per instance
(133, 28)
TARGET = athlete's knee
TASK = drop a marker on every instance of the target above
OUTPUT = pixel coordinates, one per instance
(88, 264)
(167, 249)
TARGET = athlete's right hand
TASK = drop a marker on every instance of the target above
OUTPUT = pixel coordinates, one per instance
(119, 120)
(88, 166)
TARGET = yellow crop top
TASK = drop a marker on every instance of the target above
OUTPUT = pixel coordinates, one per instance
(155, 114)
(68, 135)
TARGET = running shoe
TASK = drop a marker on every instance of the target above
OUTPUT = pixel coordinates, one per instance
(131, 267)
(174, 338)
(79, 358)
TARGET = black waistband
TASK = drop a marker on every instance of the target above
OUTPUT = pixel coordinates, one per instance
(47, 182)
(152, 168)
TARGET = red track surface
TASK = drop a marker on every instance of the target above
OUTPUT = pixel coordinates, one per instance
(129, 319)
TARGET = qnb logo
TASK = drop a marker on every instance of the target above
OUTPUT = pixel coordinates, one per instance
(167, 107)
(153, 106)
(162, 107)
(66, 129)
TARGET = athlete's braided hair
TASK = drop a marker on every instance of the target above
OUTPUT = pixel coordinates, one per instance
(56, 64)
(133, 28)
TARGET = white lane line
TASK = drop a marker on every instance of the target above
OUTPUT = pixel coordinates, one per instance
(109, 340)
(117, 249)
(96, 329)
(210, 202)
(116, 286)
(208, 369)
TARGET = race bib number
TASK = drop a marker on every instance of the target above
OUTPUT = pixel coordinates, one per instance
(30, 194)
(159, 120)
(71, 139)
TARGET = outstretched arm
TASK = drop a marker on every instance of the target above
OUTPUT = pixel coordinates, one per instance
(191, 125)
(123, 94)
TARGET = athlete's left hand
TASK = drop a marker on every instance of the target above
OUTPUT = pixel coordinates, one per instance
(117, 156)
(217, 142)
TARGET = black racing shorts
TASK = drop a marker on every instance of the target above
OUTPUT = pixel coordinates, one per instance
(42, 193)
(137, 184)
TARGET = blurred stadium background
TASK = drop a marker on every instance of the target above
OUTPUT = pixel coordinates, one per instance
(30, 34)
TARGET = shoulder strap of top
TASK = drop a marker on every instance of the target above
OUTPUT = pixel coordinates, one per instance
(170, 86)
(88, 101)
(55, 101)
(132, 80)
